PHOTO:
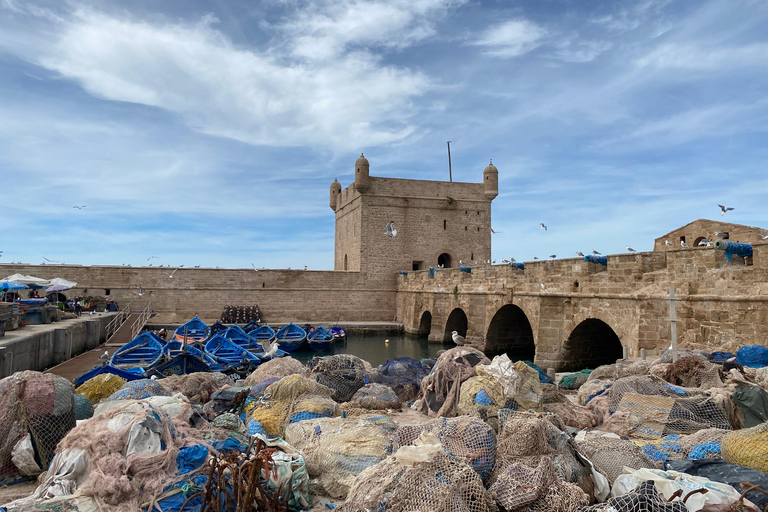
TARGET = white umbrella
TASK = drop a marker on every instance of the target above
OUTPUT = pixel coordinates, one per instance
(59, 285)
(32, 282)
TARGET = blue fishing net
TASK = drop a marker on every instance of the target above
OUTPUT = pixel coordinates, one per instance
(83, 407)
(139, 389)
(754, 356)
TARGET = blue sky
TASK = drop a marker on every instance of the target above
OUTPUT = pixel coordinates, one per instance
(207, 133)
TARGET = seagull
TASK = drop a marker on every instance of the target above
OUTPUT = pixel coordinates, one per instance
(458, 339)
(391, 231)
(494, 232)
(161, 266)
(595, 252)
(629, 249)
(553, 256)
(762, 237)
(181, 266)
(141, 291)
(535, 257)
(704, 242)
(542, 285)
(173, 272)
(511, 260)
(150, 264)
(153, 377)
(493, 262)
(720, 234)
(305, 267)
(254, 267)
(198, 266)
(50, 261)
(724, 209)
(152, 257)
(104, 356)
(683, 244)
(668, 243)
(504, 262)
(543, 226)
(579, 253)
(461, 262)
(92, 313)
(269, 349)
(81, 207)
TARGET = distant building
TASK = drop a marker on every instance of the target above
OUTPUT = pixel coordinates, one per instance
(694, 232)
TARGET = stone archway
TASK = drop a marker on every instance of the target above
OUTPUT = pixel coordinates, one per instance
(444, 260)
(457, 321)
(591, 344)
(698, 241)
(510, 333)
(425, 324)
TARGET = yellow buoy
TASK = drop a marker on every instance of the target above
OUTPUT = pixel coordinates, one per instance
(386, 341)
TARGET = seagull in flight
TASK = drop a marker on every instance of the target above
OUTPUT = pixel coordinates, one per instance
(705, 242)
(174, 272)
(579, 253)
(254, 267)
(762, 237)
(458, 339)
(668, 243)
(535, 257)
(543, 226)
(724, 209)
(595, 252)
(152, 257)
(81, 207)
(683, 244)
(629, 249)
(494, 232)
(391, 231)
(49, 261)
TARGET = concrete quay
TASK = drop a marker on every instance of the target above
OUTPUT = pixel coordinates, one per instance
(39, 347)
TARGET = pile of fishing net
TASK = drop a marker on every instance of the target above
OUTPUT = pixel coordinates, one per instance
(747, 447)
(422, 478)
(229, 398)
(666, 355)
(403, 375)
(122, 459)
(520, 382)
(575, 380)
(525, 438)
(693, 372)
(83, 407)
(100, 387)
(441, 389)
(644, 498)
(592, 389)
(197, 387)
(610, 454)
(343, 374)
(375, 396)
(289, 400)
(36, 412)
(466, 437)
(649, 407)
(337, 450)
(138, 389)
(278, 367)
(178, 408)
(572, 415)
(482, 396)
(620, 370)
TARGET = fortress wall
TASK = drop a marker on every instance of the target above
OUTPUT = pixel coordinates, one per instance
(282, 295)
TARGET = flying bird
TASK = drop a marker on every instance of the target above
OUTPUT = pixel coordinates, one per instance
(704, 242)
(595, 252)
(683, 244)
(104, 356)
(762, 237)
(543, 226)
(458, 339)
(152, 257)
(494, 232)
(629, 249)
(535, 257)
(305, 267)
(391, 231)
(579, 253)
(79, 207)
(254, 267)
(553, 256)
(461, 262)
(173, 272)
(724, 209)
(50, 261)
(668, 243)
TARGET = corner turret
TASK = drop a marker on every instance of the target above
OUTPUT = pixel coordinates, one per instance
(491, 181)
(362, 178)
(335, 191)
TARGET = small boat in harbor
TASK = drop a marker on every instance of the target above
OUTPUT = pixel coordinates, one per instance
(178, 360)
(216, 327)
(230, 354)
(320, 339)
(262, 333)
(142, 351)
(195, 330)
(236, 334)
(253, 324)
(339, 333)
(107, 368)
(291, 337)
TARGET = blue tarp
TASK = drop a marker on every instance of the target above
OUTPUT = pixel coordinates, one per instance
(431, 271)
(465, 268)
(720, 357)
(542, 374)
(754, 356)
(482, 398)
(516, 264)
(403, 272)
(594, 258)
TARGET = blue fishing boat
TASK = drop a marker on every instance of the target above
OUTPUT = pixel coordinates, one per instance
(291, 337)
(218, 326)
(237, 335)
(180, 362)
(320, 339)
(142, 351)
(339, 333)
(196, 330)
(106, 368)
(253, 324)
(230, 354)
(262, 333)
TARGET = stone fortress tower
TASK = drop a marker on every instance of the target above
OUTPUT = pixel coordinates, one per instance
(437, 223)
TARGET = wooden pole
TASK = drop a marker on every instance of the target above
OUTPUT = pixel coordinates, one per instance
(673, 321)
(450, 173)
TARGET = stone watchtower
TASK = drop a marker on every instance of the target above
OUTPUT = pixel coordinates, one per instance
(437, 222)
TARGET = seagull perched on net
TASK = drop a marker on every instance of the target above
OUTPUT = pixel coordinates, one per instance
(683, 244)
(494, 232)
(704, 242)
(629, 249)
(579, 253)
(668, 243)
(104, 356)
(458, 339)
(543, 226)
(391, 231)
(724, 209)
(595, 252)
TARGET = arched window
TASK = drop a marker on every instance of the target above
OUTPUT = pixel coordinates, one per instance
(444, 260)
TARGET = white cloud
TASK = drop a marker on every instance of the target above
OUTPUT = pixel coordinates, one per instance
(691, 56)
(220, 89)
(511, 38)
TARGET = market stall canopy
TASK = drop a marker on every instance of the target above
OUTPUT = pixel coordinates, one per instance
(30, 281)
(10, 285)
(59, 285)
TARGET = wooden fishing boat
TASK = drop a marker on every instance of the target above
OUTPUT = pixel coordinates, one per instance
(253, 324)
(339, 333)
(320, 339)
(195, 329)
(262, 333)
(291, 337)
(230, 354)
(182, 362)
(236, 334)
(142, 351)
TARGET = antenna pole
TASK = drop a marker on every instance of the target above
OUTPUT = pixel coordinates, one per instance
(450, 174)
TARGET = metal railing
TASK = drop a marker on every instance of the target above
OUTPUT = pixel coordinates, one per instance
(139, 323)
(117, 322)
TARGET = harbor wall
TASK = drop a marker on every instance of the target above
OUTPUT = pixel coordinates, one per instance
(39, 347)
(282, 295)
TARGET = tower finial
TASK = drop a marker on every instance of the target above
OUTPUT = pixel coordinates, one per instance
(362, 154)
(491, 161)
